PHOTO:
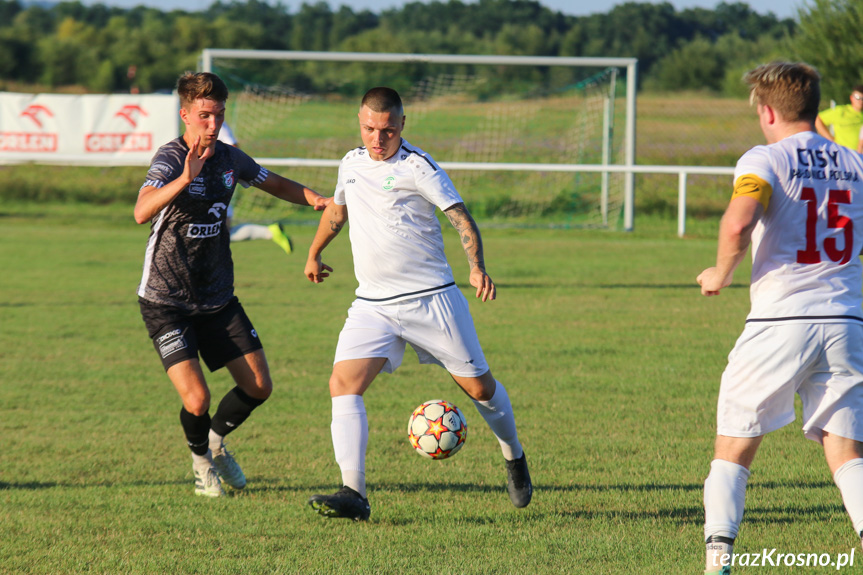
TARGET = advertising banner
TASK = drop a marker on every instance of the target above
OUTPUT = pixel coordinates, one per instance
(95, 130)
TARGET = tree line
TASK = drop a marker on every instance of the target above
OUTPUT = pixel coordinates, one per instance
(107, 49)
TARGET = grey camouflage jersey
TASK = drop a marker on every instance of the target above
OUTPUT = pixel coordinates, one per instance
(188, 260)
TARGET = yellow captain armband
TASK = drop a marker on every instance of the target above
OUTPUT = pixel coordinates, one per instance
(752, 186)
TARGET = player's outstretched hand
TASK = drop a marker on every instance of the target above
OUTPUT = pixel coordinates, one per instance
(194, 162)
(316, 270)
(711, 281)
(483, 283)
(321, 203)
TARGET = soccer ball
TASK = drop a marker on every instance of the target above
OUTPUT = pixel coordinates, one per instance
(437, 429)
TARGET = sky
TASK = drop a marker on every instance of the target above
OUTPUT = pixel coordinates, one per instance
(781, 8)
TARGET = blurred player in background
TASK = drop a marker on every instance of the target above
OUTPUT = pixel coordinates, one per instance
(244, 232)
(186, 293)
(226, 134)
(799, 202)
(846, 121)
(406, 294)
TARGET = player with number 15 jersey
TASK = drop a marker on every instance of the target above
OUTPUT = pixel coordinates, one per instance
(799, 202)
(805, 246)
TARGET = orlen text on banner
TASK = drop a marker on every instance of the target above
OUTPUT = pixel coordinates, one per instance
(100, 130)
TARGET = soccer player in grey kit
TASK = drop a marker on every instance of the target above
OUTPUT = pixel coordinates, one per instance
(186, 293)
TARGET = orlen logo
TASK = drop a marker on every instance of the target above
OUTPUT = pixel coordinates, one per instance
(204, 230)
(131, 113)
(118, 142)
(30, 141)
(216, 210)
(121, 141)
(34, 110)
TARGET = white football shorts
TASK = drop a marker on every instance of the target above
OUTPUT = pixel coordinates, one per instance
(439, 327)
(821, 362)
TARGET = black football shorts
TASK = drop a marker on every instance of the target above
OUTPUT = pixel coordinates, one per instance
(219, 335)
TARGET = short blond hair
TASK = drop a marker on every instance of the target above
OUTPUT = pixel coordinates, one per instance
(793, 89)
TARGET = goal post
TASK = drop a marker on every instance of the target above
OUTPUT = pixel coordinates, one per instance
(528, 135)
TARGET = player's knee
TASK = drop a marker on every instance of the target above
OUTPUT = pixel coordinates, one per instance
(482, 393)
(477, 388)
(197, 404)
(480, 388)
(258, 385)
(340, 385)
(255, 382)
(263, 388)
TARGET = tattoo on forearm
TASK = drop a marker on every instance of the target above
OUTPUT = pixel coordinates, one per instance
(335, 226)
(468, 231)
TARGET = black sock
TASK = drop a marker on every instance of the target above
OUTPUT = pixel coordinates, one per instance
(233, 410)
(197, 430)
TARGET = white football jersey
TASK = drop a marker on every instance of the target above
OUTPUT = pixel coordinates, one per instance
(395, 235)
(806, 246)
(226, 135)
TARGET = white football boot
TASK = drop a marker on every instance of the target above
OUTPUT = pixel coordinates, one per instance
(228, 468)
(207, 482)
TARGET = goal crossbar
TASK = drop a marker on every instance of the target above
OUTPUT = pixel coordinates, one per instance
(208, 54)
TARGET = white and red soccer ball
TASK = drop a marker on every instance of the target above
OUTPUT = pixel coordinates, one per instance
(437, 429)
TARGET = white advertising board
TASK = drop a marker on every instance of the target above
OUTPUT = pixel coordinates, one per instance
(95, 130)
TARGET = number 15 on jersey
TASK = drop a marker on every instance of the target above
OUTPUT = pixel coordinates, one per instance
(836, 251)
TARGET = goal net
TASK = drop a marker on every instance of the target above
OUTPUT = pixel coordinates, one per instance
(523, 144)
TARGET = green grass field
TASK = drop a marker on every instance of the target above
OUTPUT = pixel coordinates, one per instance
(611, 358)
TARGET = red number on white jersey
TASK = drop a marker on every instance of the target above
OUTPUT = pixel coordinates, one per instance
(811, 254)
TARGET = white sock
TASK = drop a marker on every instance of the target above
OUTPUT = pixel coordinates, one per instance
(497, 413)
(202, 461)
(718, 554)
(350, 430)
(724, 498)
(245, 232)
(215, 441)
(849, 479)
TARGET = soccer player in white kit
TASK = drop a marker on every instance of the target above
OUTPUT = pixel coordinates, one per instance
(406, 294)
(799, 202)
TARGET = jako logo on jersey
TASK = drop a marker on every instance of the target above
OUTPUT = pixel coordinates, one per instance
(389, 183)
(404, 156)
(228, 179)
(204, 230)
(351, 181)
(216, 210)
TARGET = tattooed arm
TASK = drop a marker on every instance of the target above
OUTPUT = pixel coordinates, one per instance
(332, 221)
(471, 241)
